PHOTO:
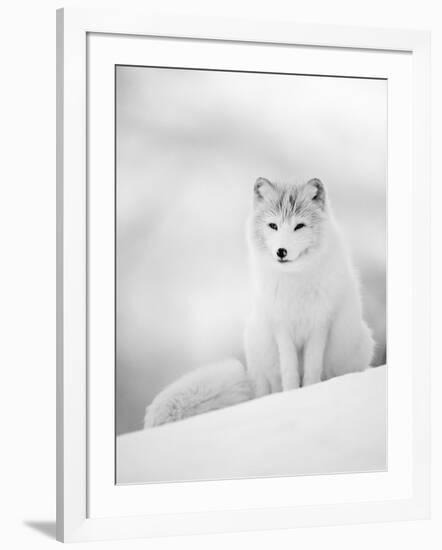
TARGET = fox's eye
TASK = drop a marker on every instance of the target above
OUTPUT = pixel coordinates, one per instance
(273, 226)
(299, 226)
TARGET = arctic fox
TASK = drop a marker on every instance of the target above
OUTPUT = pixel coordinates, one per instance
(306, 323)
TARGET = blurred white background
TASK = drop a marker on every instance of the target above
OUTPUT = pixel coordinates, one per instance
(190, 145)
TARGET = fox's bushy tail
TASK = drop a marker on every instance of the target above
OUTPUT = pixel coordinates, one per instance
(207, 388)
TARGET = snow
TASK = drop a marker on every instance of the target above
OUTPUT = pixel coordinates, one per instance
(333, 427)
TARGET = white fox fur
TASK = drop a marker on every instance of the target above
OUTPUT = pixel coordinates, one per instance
(205, 389)
(306, 324)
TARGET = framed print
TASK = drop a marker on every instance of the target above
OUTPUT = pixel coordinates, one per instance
(243, 252)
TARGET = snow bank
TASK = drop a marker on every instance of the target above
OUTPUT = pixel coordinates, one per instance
(335, 426)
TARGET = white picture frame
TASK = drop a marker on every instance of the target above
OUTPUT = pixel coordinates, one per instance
(89, 505)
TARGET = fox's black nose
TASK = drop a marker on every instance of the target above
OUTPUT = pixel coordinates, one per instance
(281, 253)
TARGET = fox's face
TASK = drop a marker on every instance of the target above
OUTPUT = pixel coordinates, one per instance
(288, 222)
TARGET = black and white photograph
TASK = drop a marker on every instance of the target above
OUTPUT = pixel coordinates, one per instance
(250, 262)
(220, 270)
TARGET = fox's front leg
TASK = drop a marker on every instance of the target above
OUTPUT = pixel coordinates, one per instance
(314, 356)
(288, 360)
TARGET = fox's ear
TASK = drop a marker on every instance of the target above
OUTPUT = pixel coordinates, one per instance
(264, 189)
(315, 191)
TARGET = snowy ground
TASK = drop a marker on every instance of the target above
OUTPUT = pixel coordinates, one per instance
(334, 426)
